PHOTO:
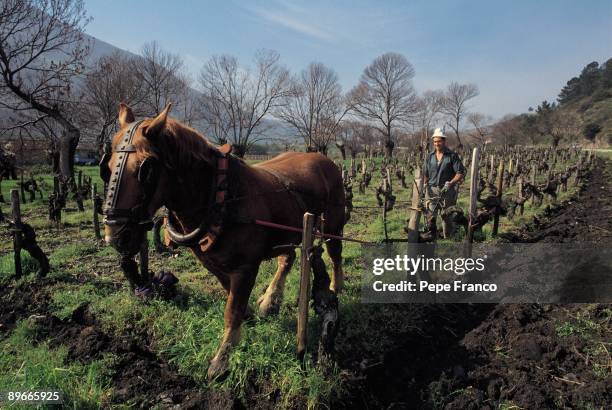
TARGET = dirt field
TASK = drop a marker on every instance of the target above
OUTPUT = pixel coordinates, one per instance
(509, 356)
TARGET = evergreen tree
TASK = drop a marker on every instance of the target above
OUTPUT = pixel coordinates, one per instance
(589, 79)
(570, 92)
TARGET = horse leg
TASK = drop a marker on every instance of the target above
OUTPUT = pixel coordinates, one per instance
(241, 285)
(270, 301)
(334, 249)
(325, 303)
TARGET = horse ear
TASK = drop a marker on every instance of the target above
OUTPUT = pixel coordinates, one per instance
(126, 115)
(158, 124)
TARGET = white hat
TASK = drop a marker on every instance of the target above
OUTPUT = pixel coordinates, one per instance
(438, 133)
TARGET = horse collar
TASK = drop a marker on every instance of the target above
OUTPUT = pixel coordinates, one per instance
(211, 226)
(218, 208)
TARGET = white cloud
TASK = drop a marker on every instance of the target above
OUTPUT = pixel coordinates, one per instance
(293, 23)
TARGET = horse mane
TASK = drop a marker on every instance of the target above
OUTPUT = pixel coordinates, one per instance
(179, 145)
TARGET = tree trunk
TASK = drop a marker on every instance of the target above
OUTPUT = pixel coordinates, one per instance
(67, 148)
(389, 144)
(389, 148)
(239, 150)
(342, 149)
(460, 145)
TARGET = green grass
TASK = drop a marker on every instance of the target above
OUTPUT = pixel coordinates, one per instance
(591, 327)
(26, 365)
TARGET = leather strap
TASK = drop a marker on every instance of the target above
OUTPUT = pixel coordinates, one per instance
(112, 193)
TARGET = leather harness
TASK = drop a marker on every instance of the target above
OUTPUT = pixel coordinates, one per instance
(114, 215)
(211, 226)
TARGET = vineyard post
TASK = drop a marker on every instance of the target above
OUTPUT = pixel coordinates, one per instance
(415, 212)
(304, 295)
(520, 195)
(500, 184)
(96, 222)
(22, 188)
(58, 194)
(384, 188)
(577, 175)
(469, 237)
(533, 181)
(16, 213)
(492, 169)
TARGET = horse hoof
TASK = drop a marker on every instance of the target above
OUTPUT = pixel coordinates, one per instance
(249, 314)
(218, 369)
(268, 306)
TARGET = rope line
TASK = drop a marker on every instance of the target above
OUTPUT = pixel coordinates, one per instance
(316, 233)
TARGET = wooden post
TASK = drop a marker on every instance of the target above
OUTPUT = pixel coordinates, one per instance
(533, 181)
(96, 221)
(492, 168)
(16, 213)
(79, 180)
(389, 178)
(576, 176)
(56, 186)
(520, 190)
(415, 213)
(385, 208)
(474, 177)
(22, 188)
(500, 185)
(57, 190)
(304, 295)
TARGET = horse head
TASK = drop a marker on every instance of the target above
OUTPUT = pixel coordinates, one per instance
(155, 162)
(132, 172)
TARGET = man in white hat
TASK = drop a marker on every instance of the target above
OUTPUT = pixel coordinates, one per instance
(443, 172)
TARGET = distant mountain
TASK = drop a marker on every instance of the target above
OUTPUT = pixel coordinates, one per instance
(101, 48)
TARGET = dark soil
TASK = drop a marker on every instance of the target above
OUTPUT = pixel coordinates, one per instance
(139, 377)
(492, 356)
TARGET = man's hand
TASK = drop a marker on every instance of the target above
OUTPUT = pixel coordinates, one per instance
(446, 187)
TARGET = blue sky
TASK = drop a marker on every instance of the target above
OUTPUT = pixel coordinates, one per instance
(517, 52)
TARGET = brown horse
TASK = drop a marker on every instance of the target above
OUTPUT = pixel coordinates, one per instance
(169, 164)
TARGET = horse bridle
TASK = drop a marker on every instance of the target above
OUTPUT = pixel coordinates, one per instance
(138, 214)
(209, 229)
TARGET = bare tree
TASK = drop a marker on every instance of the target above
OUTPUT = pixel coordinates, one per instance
(356, 136)
(385, 96)
(564, 125)
(315, 107)
(236, 100)
(161, 73)
(189, 108)
(111, 80)
(481, 124)
(429, 106)
(42, 49)
(455, 107)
